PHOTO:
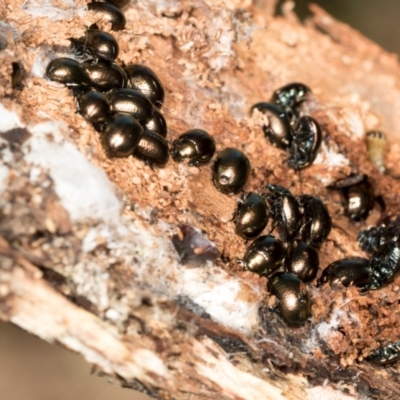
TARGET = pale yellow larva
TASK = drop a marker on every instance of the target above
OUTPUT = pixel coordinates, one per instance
(376, 146)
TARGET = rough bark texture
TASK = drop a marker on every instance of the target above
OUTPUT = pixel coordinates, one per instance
(93, 268)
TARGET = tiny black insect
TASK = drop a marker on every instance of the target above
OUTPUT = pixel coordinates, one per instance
(276, 126)
(104, 75)
(305, 143)
(386, 354)
(385, 264)
(316, 222)
(284, 210)
(230, 170)
(97, 44)
(69, 72)
(359, 199)
(157, 123)
(95, 108)
(196, 146)
(348, 271)
(109, 13)
(302, 261)
(152, 148)
(265, 255)
(292, 297)
(121, 136)
(144, 79)
(132, 102)
(373, 238)
(290, 97)
(251, 216)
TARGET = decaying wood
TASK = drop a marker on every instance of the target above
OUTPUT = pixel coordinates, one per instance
(90, 264)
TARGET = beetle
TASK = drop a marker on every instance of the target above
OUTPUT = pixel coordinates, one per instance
(143, 79)
(305, 144)
(290, 97)
(152, 148)
(104, 75)
(251, 216)
(284, 210)
(95, 108)
(96, 43)
(109, 13)
(132, 102)
(69, 72)
(276, 125)
(195, 145)
(373, 238)
(359, 197)
(294, 303)
(347, 272)
(385, 264)
(316, 222)
(230, 170)
(121, 136)
(265, 255)
(157, 123)
(302, 260)
(386, 354)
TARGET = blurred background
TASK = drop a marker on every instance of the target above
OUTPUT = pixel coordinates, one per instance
(31, 369)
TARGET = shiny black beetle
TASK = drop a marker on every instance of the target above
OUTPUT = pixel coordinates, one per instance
(276, 125)
(69, 72)
(121, 136)
(316, 222)
(294, 303)
(302, 260)
(358, 194)
(305, 144)
(385, 264)
(284, 210)
(109, 13)
(132, 102)
(251, 216)
(359, 199)
(97, 44)
(290, 98)
(386, 354)
(373, 238)
(143, 79)
(230, 170)
(157, 123)
(265, 255)
(95, 108)
(152, 148)
(196, 146)
(348, 271)
(104, 75)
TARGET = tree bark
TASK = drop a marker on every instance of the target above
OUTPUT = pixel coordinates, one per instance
(86, 257)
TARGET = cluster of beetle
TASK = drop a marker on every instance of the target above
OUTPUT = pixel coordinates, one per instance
(302, 222)
(123, 105)
(287, 129)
